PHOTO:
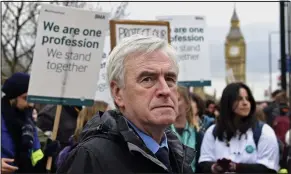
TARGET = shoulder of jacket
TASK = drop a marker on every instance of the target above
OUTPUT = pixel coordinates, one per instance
(98, 142)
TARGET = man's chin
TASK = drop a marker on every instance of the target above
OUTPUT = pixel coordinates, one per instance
(165, 120)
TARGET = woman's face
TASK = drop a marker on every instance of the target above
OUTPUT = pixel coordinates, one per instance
(242, 105)
(194, 107)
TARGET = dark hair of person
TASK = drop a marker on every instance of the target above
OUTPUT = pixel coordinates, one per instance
(281, 98)
(225, 126)
(209, 102)
(276, 92)
(199, 102)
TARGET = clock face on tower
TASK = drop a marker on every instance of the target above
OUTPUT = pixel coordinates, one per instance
(234, 51)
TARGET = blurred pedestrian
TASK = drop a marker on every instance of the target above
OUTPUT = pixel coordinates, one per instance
(186, 126)
(84, 116)
(20, 147)
(67, 125)
(272, 110)
(238, 142)
(260, 115)
(204, 120)
(210, 108)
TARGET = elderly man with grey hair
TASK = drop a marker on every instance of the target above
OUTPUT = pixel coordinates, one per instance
(142, 73)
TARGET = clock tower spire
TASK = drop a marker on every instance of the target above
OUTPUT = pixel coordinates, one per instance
(235, 51)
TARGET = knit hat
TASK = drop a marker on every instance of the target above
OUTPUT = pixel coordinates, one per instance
(16, 85)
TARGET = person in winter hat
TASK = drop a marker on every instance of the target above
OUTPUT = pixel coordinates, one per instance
(20, 146)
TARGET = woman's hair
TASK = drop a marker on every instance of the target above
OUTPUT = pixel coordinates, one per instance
(183, 92)
(225, 124)
(86, 114)
(200, 104)
(260, 115)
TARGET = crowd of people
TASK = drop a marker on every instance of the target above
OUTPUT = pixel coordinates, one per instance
(157, 126)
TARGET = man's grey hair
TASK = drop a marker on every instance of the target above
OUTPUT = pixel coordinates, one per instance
(131, 45)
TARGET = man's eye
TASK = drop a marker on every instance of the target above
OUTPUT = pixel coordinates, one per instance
(170, 79)
(148, 82)
(147, 79)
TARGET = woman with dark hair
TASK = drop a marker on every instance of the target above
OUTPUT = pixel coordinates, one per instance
(238, 142)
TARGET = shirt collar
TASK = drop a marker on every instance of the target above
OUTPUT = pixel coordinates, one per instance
(149, 141)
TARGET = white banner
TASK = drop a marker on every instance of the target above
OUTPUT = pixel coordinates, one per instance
(126, 30)
(120, 29)
(67, 55)
(189, 37)
(103, 90)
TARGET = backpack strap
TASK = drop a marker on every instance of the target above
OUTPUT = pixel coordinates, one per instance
(257, 132)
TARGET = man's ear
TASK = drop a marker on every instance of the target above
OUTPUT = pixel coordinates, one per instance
(117, 94)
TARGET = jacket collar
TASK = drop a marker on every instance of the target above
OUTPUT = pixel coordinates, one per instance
(113, 123)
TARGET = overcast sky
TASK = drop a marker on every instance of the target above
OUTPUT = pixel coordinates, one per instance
(217, 14)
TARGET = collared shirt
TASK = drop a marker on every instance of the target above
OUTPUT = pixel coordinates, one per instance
(149, 141)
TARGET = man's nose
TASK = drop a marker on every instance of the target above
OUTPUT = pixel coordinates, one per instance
(163, 87)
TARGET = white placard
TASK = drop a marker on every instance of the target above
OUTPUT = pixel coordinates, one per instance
(67, 55)
(126, 30)
(120, 29)
(189, 37)
(103, 90)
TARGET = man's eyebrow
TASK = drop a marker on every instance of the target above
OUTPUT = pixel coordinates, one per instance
(147, 73)
(153, 73)
(171, 74)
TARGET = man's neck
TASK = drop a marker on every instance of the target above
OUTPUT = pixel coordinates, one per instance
(180, 122)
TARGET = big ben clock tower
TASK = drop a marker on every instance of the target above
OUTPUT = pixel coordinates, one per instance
(235, 51)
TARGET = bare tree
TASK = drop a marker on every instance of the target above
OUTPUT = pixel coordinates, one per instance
(19, 27)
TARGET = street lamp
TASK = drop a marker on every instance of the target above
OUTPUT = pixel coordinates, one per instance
(270, 59)
(270, 56)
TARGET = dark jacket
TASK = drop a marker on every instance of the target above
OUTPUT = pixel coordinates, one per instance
(19, 139)
(67, 125)
(271, 112)
(109, 145)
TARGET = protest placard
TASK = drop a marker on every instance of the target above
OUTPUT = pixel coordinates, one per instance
(103, 90)
(189, 38)
(67, 55)
(120, 29)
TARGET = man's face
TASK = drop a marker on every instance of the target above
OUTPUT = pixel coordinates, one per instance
(21, 102)
(150, 96)
(211, 108)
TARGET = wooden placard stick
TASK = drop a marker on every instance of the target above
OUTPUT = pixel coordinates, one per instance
(54, 133)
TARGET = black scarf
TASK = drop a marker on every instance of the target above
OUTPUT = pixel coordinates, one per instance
(15, 119)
